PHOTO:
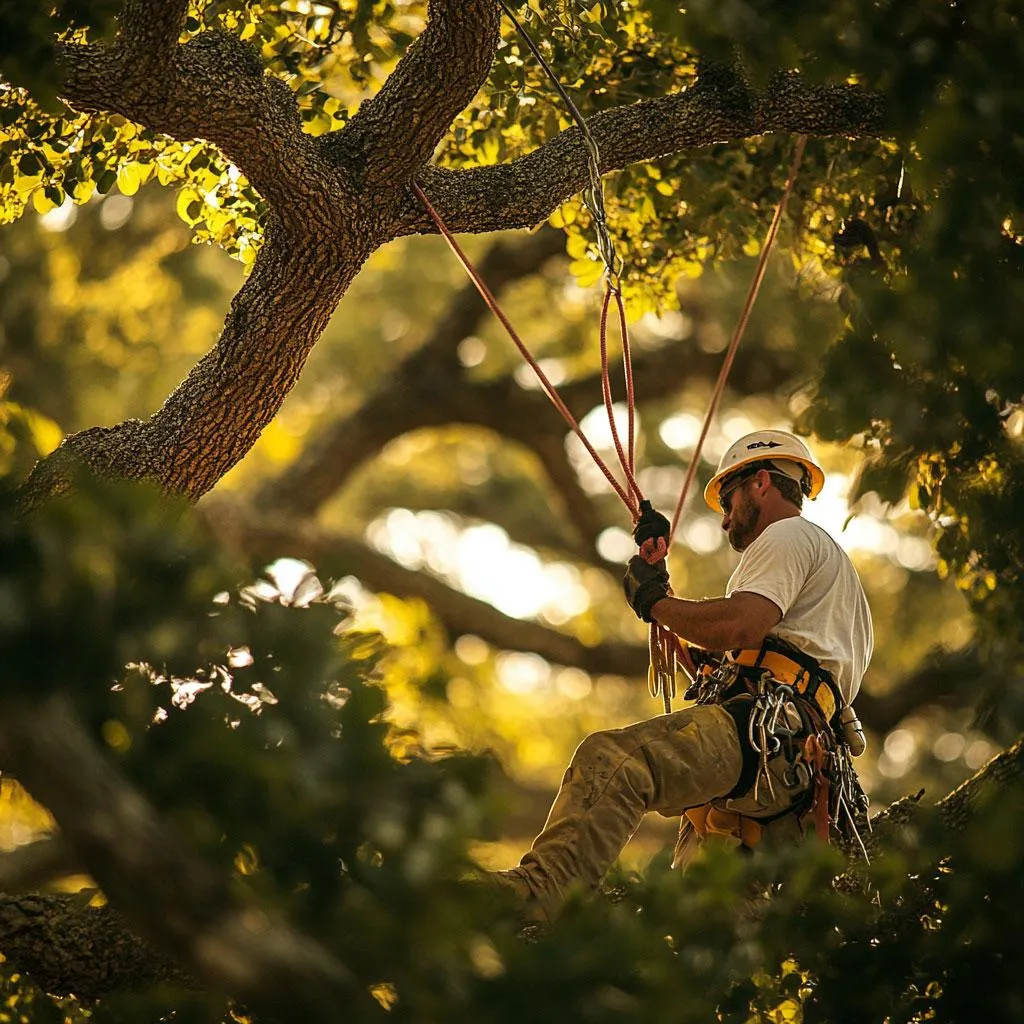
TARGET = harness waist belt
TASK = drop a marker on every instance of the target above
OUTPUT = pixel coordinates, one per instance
(786, 670)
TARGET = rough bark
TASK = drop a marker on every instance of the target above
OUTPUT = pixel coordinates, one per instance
(720, 107)
(70, 949)
(333, 201)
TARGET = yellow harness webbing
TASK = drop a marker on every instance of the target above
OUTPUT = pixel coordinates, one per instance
(785, 670)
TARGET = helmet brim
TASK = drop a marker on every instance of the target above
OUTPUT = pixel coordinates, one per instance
(713, 490)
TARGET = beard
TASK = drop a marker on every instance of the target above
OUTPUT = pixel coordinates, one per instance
(742, 523)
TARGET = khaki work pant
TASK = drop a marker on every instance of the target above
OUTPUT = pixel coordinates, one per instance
(664, 764)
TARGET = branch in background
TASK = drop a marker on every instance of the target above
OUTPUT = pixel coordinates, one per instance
(578, 508)
(419, 396)
(944, 677)
(415, 394)
(170, 896)
(336, 556)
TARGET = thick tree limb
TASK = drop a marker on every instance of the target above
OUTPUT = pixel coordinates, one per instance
(149, 31)
(720, 107)
(70, 949)
(170, 896)
(216, 414)
(438, 76)
(214, 88)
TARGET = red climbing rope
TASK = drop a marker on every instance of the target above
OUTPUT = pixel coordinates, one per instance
(631, 497)
(665, 649)
(741, 326)
(627, 457)
(664, 646)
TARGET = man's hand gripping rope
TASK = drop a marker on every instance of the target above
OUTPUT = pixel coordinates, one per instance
(647, 581)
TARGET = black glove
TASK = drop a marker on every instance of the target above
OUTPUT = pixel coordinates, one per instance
(651, 525)
(645, 585)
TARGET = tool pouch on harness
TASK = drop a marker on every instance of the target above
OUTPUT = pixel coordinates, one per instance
(789, 715)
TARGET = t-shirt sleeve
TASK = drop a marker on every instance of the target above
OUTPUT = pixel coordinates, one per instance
(776, 565)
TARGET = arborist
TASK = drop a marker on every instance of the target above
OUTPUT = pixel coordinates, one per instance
(774, 665)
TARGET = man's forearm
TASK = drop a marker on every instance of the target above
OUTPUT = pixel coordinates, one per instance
(717, 624)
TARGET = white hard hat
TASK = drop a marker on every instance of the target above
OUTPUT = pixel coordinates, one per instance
(788, 453)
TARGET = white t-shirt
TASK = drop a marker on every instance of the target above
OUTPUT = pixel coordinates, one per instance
(801, 570)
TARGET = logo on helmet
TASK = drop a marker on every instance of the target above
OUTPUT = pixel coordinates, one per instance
(764, 444)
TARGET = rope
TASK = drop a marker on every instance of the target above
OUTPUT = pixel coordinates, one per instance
(627, 456)
(631, 498)
(741, 326)
(660, 674)
(664, 646)
(593, 196)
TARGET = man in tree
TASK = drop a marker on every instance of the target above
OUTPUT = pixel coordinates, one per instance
(770, 712)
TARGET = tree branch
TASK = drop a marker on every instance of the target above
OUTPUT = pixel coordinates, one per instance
(216, 414)
(164, 891)
(720, 107)
(68, 948)
(419, 396)
(213, 87)
(396, 131)
(149, 31)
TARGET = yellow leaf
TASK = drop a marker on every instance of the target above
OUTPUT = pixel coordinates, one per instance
(46, 435)
(25, 183)
(751, 247)
(189, 205)
(586, 272)
(577, 245)
(129, 178)
(42, 202)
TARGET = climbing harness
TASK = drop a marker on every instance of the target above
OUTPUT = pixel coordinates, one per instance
(665, 651)
(784, 705)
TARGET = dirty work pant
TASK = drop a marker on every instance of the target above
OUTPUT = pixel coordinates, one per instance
(665, 764)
